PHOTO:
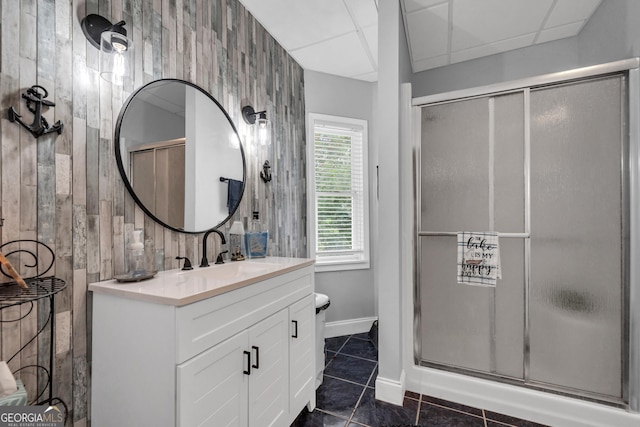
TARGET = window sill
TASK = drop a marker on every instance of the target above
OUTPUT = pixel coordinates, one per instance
(327, 266)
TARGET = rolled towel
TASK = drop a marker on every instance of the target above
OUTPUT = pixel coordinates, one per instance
(8, 383)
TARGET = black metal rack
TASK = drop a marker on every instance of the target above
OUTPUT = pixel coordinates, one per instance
(11, 294)
(39, 288)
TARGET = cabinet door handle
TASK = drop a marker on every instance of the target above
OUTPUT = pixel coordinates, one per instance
(257, 349)
(295, 329)
(248, 371)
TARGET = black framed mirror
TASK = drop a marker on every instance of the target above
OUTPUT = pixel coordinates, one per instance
(180, 156)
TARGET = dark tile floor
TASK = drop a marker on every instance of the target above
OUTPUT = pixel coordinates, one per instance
(346, 397)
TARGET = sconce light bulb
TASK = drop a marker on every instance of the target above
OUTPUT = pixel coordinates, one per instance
(263, 132)
(118, 46)
(118, 66)
(116, 57)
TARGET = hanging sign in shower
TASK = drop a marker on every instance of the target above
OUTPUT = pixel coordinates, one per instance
(478, 258)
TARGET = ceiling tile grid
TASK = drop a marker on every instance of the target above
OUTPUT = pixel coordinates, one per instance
(442, 32)
(337, 37)
(340, 37)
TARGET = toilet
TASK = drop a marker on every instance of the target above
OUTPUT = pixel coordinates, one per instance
(322, 303)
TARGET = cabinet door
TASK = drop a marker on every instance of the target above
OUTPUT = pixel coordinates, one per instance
(301, 352)
(212, 387)
(269, 379)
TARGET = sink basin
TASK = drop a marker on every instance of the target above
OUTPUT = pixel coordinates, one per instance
(231, 270)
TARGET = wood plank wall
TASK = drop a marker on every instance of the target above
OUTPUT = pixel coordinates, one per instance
(66, 191)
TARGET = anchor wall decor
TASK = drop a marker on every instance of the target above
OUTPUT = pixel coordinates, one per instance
(35, 97)
(265, 174)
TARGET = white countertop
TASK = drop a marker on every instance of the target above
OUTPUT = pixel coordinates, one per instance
(177, 287)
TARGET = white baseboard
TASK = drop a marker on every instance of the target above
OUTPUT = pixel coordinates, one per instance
(391, 391)
(348, 327)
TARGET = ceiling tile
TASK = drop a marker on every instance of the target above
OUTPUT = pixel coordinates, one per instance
(364, 12)
(567, 11)
(340, 36)
(560, 32)
(493, 48)
(370, 34)
(488, 21)
(342, 56)
(165, 96)
(428, 32)
(295, 23)
(413, 5)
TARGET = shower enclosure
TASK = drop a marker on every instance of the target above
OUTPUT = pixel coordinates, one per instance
(547, 168)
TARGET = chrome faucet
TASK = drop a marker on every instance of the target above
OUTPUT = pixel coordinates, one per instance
(205, 262)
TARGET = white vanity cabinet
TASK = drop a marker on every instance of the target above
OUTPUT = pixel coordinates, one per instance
(302, 344)
(243, 379)
(244, 357)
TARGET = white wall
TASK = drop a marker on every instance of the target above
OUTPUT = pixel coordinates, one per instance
(392, 69)
(147, 123)
(364, 293)
(352, 293)
(533, 61)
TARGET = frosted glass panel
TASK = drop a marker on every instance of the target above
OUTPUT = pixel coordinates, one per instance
(508, 205)
(455, 158)
(456, 319)
(576, 284)
(509, 310)
(508, 163)
(462, 168)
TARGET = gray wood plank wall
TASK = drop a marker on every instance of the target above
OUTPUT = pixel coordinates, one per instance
(65, 190)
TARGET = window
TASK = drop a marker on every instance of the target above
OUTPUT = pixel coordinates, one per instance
(338, 193)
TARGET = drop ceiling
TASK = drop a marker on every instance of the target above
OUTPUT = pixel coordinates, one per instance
(337, 37)
(340, 37)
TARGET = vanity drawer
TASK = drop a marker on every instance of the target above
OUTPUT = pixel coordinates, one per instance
(204, 324)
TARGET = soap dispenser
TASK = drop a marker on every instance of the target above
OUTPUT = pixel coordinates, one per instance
(256, 238)
(136, 255)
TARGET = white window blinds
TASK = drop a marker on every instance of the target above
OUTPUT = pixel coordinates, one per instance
(340, 190)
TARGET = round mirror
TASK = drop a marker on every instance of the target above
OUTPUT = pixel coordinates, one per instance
(180, 156)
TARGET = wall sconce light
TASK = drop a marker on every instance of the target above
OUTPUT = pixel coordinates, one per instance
(116, 49)
(263, 136)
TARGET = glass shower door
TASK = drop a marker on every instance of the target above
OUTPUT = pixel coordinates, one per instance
(546, 169)
(472, 179)
(577, 245)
